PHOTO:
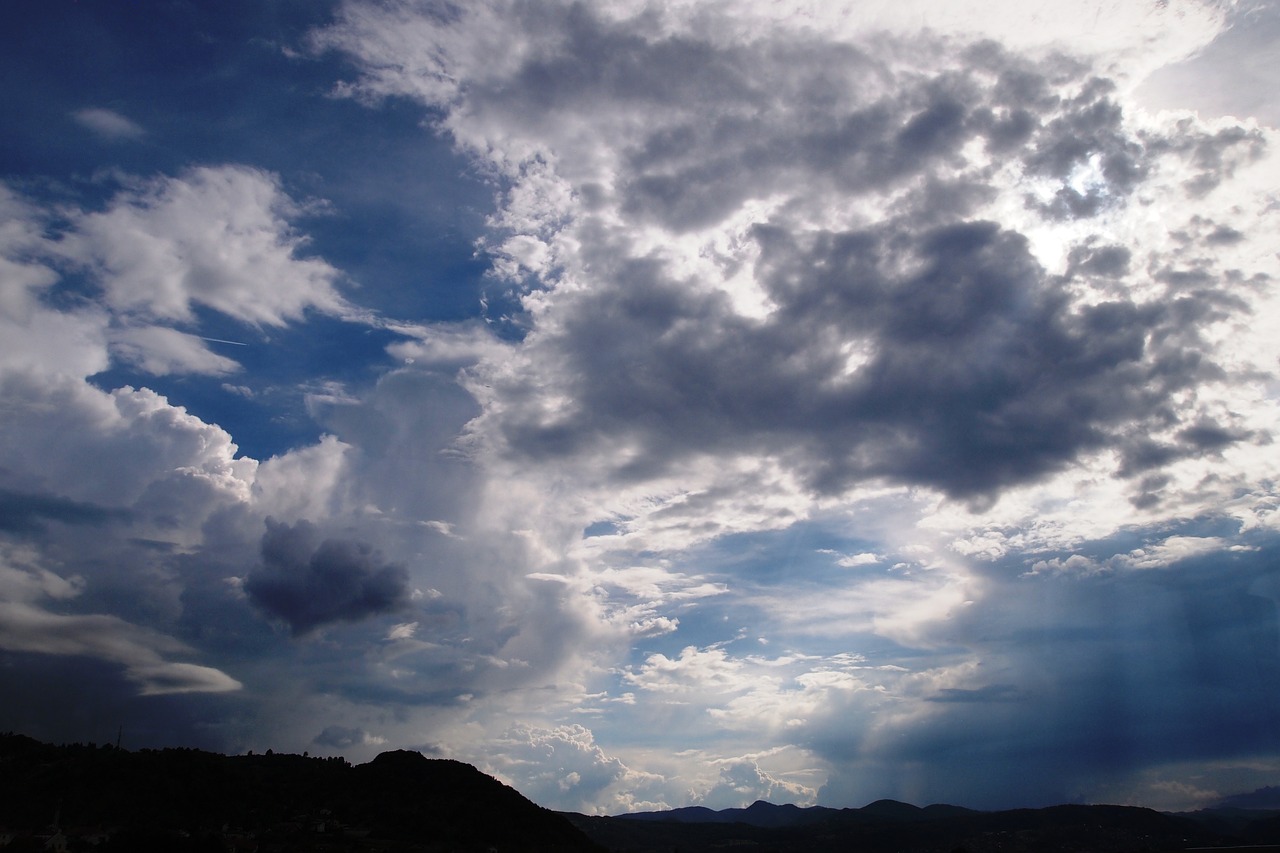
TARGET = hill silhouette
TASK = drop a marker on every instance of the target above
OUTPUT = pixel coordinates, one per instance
(186, 799)
(180, 800)
(888, 825)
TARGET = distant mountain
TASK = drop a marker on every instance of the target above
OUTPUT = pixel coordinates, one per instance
(758, 813)
(888, 825)
(1264, 798)
(1252, 818)
(763, 814)
(190, 800)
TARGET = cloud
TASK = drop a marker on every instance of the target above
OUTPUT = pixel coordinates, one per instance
(29, 513)
(693, 669)
(161, 250)
(308, 583)
(27, 628)
(108, 124)
(852, 561)
(565, 767)
(160, 351)
(1142, 668)
(930, 357)
(742, 783)
(341, 737)
(210, 238)
(710, 297)
(950, 301)
(36, 336)
(124, 449)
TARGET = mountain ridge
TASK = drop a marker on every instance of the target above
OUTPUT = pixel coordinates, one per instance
(890, 825)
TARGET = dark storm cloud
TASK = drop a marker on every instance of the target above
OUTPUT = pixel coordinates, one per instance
(22, 512)
(988, 693)
(65, 699)
(1093, 677)
(1141, 453)
(977, 373)
(308, 583)
(928, 348)
(340, 737)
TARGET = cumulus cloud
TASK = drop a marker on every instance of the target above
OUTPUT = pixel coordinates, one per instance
(163, 248)
(565, 767)
(742, 783)
(134, 442)
(209, 238)
(308, 583)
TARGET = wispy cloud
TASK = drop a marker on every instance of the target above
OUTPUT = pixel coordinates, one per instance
(109, 124)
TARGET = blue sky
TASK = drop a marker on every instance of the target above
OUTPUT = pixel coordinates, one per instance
(653, 404)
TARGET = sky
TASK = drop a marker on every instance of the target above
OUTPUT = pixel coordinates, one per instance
(651, 403)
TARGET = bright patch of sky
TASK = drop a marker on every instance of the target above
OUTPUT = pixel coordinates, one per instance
(653, 404)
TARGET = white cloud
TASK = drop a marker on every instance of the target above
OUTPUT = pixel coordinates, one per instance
(565, 767)
(25, 582)
(109, 124)
(702, 670)
(852, 561)
(742, 782)
(219, 237)
(131, 441)
(36, 336)
(1171, 550)
(159, 351)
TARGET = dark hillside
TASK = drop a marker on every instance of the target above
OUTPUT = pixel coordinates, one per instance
(183, 799)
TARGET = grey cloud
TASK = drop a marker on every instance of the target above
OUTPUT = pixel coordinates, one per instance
(980, 370)
(703, 170)
(28, 628)
(1105, 261)
(989, 693)
(1142, 453)
(341, 737)
(1215, 155)
(24, 512)
(1089, 131)
(65, 699)
(746, 122)
(1099, 675)
(977, 375)
(727, 123)
(308, 583)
